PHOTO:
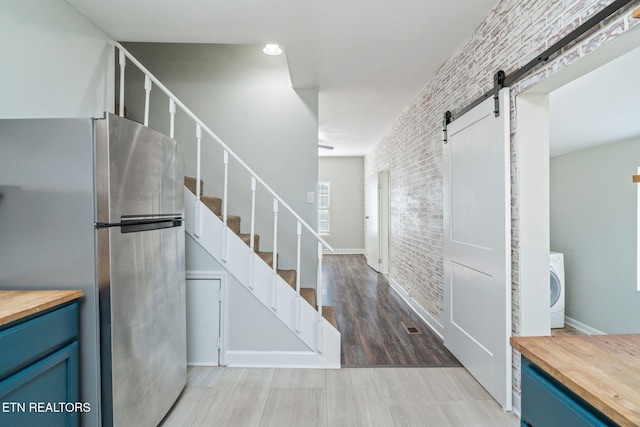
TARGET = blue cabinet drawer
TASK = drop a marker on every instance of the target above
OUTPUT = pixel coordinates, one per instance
(547, 404)
(24, 343)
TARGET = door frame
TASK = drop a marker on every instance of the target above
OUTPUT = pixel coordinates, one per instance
(223, 329)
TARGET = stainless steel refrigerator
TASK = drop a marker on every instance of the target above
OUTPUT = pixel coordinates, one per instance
(97, 205)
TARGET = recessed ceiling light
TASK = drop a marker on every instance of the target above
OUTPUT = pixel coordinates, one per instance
(272, 49)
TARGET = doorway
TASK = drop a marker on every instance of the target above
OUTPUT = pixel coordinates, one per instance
(378, 217)
(536, 134)
(205, 318)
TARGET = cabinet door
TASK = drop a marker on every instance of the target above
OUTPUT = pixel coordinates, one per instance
(546, 405)
(37, 394)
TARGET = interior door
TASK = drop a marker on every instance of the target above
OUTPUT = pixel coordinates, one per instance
(385, 221)
(203, 321)
(477, 242)
(371, 219)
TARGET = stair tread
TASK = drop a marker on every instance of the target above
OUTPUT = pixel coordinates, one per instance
(329, 313)
(309, 295)
(211, 198)
(213, 203)
(190, 183)
(267, 257)
(289, 276)
(233, 222)
(247, 237)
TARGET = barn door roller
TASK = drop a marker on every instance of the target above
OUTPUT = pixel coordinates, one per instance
(498, 84)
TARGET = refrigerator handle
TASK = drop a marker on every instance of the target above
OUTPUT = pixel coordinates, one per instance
(136, 224)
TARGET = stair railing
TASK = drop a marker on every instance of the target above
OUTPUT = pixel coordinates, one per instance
(277, 200)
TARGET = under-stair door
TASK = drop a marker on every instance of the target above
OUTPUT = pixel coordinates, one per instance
(204, 313)
(477, 242)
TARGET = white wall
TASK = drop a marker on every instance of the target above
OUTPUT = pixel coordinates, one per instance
(594, 223)
(346, 175)
(55, 62)
(245, 97)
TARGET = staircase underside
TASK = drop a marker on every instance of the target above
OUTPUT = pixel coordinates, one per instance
(231, 248)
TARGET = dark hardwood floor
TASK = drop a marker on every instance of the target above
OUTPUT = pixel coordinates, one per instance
(370, 316)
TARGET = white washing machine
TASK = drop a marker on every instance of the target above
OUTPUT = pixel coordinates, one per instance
(556, 273)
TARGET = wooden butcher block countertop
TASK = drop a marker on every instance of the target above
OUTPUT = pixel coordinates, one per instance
(604, 370)
(15, 305)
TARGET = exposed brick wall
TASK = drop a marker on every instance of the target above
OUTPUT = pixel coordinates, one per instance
(513, 33)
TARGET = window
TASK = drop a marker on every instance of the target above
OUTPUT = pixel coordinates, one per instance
(323, 207)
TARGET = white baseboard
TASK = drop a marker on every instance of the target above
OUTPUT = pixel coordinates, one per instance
(581, 326)
(276, 359)
(347, 251)
(418, 309)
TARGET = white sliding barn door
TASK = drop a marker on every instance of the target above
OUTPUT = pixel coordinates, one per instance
(477, 245)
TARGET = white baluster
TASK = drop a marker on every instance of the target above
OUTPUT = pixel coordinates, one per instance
(123, 63)
(298, 302)
(197, 223)
(319, 334)
(147, 89)
(252, 233)
(172, 118)
(274, 295)
(225, 193)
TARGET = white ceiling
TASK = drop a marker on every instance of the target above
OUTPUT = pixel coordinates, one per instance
(368, 58)
(600, 107)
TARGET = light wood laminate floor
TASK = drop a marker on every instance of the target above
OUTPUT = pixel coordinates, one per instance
(368, 397)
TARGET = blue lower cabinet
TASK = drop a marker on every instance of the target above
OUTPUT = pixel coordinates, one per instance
(45, 392)
(547, 403)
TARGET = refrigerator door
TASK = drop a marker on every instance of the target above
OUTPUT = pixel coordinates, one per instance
(139, 171)
(144, 325)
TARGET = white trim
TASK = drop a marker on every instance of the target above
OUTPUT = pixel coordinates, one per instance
(533, 209)
(582, 327)
(206, 275)
(224, 308)
(515, 407)
(346, 251)
(277, 359)
(436, 326)
(206, 365)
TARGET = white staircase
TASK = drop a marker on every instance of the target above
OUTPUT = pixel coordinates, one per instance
(302, 319)
(240, 257)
